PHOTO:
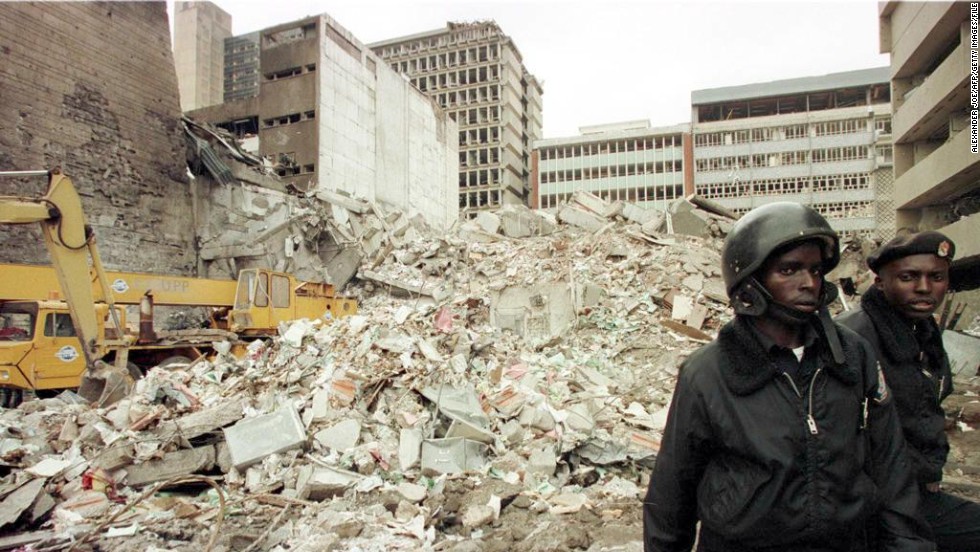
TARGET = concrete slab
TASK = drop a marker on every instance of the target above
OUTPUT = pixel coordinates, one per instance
(321, 482)
(343, 266)
(488, 222)
(451, 456)
(204, 421)
(409, 448)
(591, 202)
(173, 464)
(581, 218)
(340, 437)
(252, 439)
(964, 353)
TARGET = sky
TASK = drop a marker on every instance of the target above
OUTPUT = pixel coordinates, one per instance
(622, 60)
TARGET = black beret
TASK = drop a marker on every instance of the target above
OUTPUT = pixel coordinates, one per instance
(912, 244)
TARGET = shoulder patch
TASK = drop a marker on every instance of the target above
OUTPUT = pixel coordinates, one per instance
(883, 395)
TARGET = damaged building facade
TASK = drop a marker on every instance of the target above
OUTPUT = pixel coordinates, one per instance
(821, 141)
(937, 176)
(200, 31)
(476, 73)
(620, 161)
(331, 116)
(64, 106)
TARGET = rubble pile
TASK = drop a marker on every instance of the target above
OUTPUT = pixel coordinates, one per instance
(503, 387)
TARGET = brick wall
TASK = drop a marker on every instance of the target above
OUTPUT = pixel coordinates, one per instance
(91, 87)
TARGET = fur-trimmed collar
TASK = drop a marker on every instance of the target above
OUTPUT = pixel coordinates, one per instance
(901, 339)
(746, 366)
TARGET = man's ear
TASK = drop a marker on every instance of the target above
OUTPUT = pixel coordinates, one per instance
(878, 282)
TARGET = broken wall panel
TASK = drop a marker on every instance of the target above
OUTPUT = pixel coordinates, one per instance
(91, 87)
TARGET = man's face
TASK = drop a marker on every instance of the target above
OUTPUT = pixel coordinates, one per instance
(794, 278)
(914, 285)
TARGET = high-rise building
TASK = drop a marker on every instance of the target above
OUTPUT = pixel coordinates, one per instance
(200, 30)
(331, 116)
(822, 141)
(476, 73)
(621, 161)
(937, 165)
(241, 67)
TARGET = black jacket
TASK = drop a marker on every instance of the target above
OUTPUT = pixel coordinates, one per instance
(767, 465)
(917, 371)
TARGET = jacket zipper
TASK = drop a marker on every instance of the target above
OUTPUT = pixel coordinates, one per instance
(811, 422)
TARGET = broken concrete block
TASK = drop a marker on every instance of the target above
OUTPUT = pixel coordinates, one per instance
(655, 226)
(591, 202)
(581, 218)
(462, 428)
(340, 437)
(203, 421)
(114, 457)
(343, 266)
(639, 215)
(458, 403)
(409, 448)
(691, 223)
(488, 222)
(14, 504)
(173, 464)
(451, 456)
(683, 306)
(49, 467)
(543, 460)
(351, 204)
(475, 515)
(412, 492)
(589, 295)
(321, 482)
(252, 439)
(517, 221)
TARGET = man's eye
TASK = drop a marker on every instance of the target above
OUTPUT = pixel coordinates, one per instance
(938, 277)
(787, 271)
(905, 277)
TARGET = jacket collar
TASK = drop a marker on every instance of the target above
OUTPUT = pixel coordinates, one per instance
(747, 367)
(901, 340)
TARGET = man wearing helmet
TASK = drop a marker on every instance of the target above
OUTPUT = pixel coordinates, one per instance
(780, 435)
(896, 316)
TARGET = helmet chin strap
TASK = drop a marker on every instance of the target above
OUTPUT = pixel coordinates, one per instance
(753, 299)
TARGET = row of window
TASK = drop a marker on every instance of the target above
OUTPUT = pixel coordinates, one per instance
(612, 146)
(837, 209)
(632, 194)
(290, 72)
(451, 58)
(478, 178)
(779, 159)
(288, 119)
(778, 186)
(789, 132)
(477, 95)
(594, 173)
(477, 157)
(486, 198)
(474, 136)
(454, 79)
(476, 115)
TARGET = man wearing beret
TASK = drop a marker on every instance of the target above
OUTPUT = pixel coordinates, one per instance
(896, 316)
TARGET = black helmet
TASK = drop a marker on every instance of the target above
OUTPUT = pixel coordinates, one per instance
(764, 230)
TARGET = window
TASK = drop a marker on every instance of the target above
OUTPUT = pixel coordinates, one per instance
(58, 325)
(262, 290)
(280, 291)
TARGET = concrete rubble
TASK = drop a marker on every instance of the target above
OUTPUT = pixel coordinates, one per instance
(489, 392)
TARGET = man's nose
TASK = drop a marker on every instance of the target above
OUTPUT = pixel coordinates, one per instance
(923, 284)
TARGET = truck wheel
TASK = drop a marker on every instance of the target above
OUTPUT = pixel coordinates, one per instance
(176, 359)
(5, 397)
(11, 398)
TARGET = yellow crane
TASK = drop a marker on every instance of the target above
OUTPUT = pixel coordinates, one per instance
(64, 326)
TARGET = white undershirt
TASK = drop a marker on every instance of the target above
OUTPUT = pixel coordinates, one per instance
(799, 353)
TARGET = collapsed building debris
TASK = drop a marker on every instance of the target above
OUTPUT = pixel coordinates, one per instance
(488, 392)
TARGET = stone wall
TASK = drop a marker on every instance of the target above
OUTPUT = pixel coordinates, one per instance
(91, 87)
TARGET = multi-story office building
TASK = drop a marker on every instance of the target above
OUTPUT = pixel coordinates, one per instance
(241, 67)
(821, 141)
(332, 116)
(476, 73)
(937, 167)
(200, 30)
(622, 161)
